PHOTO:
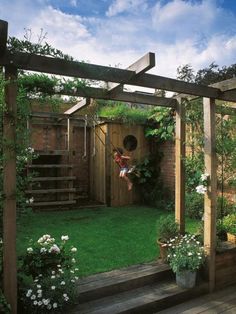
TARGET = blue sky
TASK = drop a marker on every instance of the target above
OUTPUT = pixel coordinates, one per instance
(118, 32)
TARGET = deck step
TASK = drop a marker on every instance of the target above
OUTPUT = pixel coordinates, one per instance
(109, 283)
(47, 191)
(41, 179)
(52, 203)
(147, 299)
(51, 166)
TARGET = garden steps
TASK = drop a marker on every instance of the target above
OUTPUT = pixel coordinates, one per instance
(144, 288)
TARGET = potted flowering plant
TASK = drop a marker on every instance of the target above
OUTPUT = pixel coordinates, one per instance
(185, 256)
(49, 275)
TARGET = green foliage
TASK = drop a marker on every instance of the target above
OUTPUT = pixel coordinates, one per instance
(229, 223)
(148, 180)
(123, 112)
(51, 273)
(167, 228)
(194, 166)
(15, 45)
(194, 205)
(162, 124)
(185, 253)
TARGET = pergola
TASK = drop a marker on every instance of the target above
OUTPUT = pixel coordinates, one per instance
(114, 78)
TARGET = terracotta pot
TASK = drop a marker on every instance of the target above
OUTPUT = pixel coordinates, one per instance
(163, 251)
(231, 237)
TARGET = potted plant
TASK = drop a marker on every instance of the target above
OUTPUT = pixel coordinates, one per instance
(229, 222)
(185, 256)
(167, 228)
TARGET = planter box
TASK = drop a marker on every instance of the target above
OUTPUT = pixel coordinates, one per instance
(226, 265)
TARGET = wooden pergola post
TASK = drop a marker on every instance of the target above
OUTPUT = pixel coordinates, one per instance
(9, 190)
(210, 196)
(179, 165)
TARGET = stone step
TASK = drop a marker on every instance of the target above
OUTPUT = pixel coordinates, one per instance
(116, 281)
(147, 299)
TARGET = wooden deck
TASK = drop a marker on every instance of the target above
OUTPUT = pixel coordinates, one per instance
(223, 301)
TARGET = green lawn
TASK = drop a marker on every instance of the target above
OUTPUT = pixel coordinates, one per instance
(106, 238)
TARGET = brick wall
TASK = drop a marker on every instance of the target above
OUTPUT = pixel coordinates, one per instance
(168, 165)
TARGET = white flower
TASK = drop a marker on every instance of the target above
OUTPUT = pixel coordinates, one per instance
(73, 260)
(72, 271)
(39, 291)
(40, 303)
(58, 88)
(43, 250)
(190, 254)
(65, 295)
(49, 307)
(64, 237)
(33, 297)
(72, 280)
(53, 272)
(76, 269)
(74, 249)
(76, 278)
(38, 286)
(63, 283)
(201, 189)
(35, 302)
(54, 249)
(53, 287)
(53, 277)
(59, 266)
(30, 250)
(54, 305)
(204, 177)
(30, 201)
(46, 301)
(28, 294)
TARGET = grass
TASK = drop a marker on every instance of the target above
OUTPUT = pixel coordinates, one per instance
(106, 238)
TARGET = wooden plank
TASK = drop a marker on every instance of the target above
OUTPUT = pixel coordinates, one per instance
(108, 167)
(83, 103)
(41, 179)
(140, 66)
(180, 135)
(9, 190)
(133, 97)
(3, 36)
(51, 166)
(47, 191)
(226, 84)
(211, 195)
(103, 73)
(52, 203)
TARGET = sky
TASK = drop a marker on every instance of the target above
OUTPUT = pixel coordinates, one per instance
(119, 32)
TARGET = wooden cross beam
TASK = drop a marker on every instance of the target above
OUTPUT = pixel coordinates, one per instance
(83, 103)
(3, 36)
(226, 85)
(32, 62)
(140, 66)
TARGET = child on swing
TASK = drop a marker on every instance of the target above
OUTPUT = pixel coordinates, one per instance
(122, 162)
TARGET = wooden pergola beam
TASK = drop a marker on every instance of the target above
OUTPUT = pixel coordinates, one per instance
(133, 97)
(179, 165)
(3, 36)
(32, 62)
(225, 85)
(9, 190)
(140, 66)
(211, 195)
(83, 103)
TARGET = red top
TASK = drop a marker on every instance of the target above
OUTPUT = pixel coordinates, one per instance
(121, 161)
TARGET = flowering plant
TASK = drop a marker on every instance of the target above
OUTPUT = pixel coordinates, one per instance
(52, 272)
(185, 253)
(204, 180)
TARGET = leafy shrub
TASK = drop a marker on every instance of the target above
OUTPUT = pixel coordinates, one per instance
(48, 275)
(167, 228)
(229, 223)
(194, 204)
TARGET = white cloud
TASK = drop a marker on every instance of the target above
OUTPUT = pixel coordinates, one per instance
(179, 32)
(120, 6)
